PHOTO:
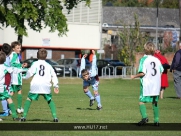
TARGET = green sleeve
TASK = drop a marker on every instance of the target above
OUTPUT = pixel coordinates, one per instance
(13, 61)
(5, 71)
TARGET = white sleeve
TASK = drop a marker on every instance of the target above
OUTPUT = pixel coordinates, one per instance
(82, 66)
(94, 67)
(31, 71)
(54, 78)
(15, 70)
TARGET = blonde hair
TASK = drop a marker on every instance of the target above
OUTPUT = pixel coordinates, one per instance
(149, 48)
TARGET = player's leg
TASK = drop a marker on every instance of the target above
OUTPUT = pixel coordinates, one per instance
(13, 109)
(161, 92)
(17, 88)
(5, 108)
(8, 88)
(48, 98)
(6, 96)
(142, 107)
(19, 99)
(144, 115)
(5, 104)
(97, 95)
(88, 92)
(155, 110)
(28, 104)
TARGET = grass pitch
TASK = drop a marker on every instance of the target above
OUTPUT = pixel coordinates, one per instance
(119, 98)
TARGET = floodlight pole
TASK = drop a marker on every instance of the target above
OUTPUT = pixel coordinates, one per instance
(157, 25)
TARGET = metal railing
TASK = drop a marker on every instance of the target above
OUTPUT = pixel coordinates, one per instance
(78, 69)
(127, 71)
(116, 70)
(104, 71)
(107, 71)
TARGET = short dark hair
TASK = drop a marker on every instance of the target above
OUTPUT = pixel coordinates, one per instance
(2, 57)
(84, 72)
(42, 54)
(6, 48)
(14, 44)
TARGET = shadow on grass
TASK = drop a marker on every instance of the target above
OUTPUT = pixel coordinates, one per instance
(173, 97)
(37, 120)
(40, 120)
(85, 109)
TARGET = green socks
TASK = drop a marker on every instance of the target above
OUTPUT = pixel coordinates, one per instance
(156, 112)
(53, 109)
(26, 108)
(143, 111)
(51, 105)
(19, 97)
(13, 110)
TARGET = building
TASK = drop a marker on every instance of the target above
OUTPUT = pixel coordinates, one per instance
(114, 19)
(84, 24)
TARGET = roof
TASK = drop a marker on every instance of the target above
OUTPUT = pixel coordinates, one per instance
(146, 16)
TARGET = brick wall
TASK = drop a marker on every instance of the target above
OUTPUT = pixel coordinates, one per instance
(56, 54)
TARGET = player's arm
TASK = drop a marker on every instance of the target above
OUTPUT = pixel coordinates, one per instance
(55, 81)
(82, 64)
(94, 65)
(14, 70)
(137, 75)
(31, 71)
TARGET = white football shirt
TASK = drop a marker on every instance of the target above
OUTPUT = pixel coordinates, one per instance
(43, 74)
(5, 69)
(151, 81)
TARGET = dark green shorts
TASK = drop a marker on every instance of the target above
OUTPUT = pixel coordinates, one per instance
(16, 88)
(150, 99)
(4, 96)
(32, 96)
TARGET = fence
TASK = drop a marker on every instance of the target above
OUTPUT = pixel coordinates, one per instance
(108, 72)
(127, 71)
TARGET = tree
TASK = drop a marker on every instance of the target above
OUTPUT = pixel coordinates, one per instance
(170, 4)
(131, 41)
(130, 3)
(38, 14)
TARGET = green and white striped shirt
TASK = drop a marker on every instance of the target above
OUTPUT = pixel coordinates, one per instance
(16, 79)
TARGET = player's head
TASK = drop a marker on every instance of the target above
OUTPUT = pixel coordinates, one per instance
(16, 46)
(2, 57)
(85, 74)
(6, 48)
(42, 54)
(149, 48)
